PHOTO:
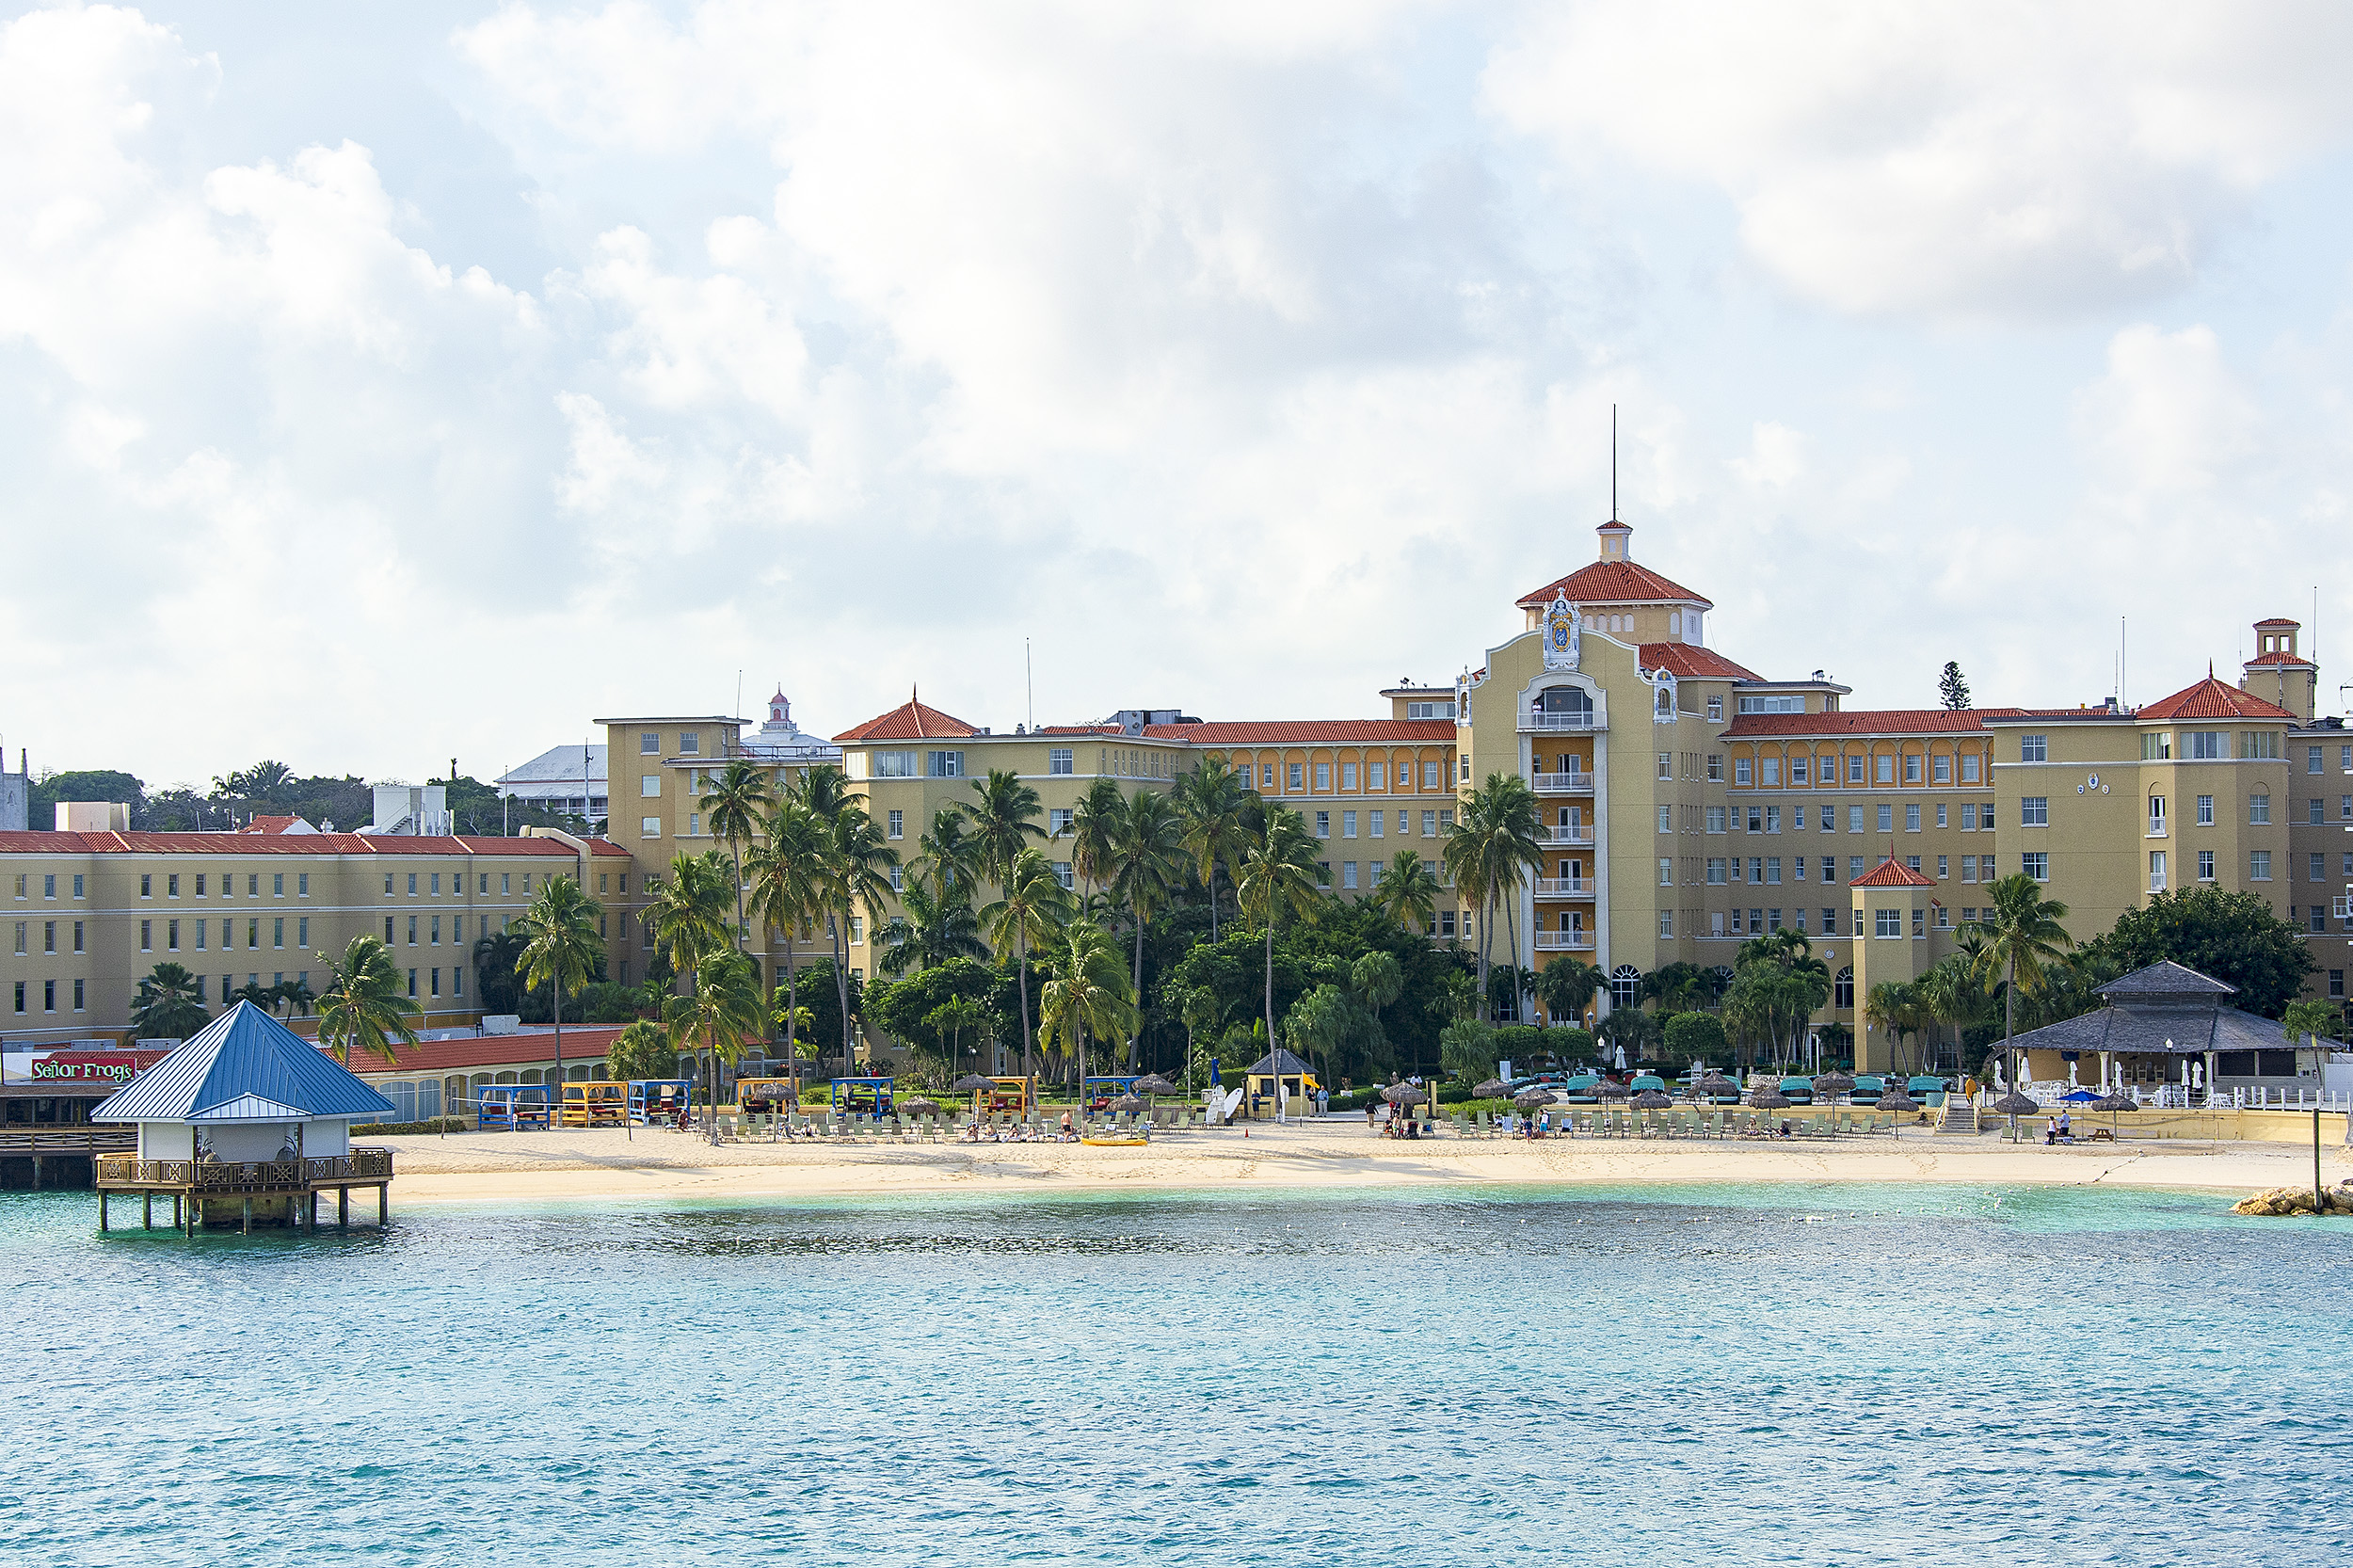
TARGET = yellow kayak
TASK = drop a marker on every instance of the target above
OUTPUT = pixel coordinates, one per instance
(1116, 1142)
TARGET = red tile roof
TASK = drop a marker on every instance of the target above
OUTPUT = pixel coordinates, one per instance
(1693, 664)
(269, 824)
(2210, 699)
(1892, 873)
(1309, 732)
(2294, 661)
(282, 843)
(1613, 583)
(1869, 721)
(911, 721)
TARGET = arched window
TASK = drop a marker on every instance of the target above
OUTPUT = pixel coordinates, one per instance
(1564, 701)
(1842, 989)
(1721, 975)
(1625, 985)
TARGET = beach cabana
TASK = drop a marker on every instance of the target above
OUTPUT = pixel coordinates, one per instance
(511, 1107)
(1278, 1084)
(247, 1119)
(2158, 1019)
(861, 1097)
(658, 1100)
(1097, 1094)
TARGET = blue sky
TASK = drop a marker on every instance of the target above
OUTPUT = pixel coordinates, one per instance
(383, 383)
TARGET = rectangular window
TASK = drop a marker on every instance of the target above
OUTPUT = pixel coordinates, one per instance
(278, 931)
(1666, 819)
(2315, 867)
(1379, 816)
(689, 743)
(2034, 810)
(649, 743)
(1919, 924)
(1773, 870)
(1887, 923)
(278, 884)
(1666, 765)
(1429, 824)
(1940, 770)
(2205, 811)
(1768, 771)
(1429, 776)
(2258, 746)
(1715, 710)
(1830, 868)
(1348, 824)
(1773, 819)
(171, 886)
(49, 886)
(1716, 767)
(1741, 772)
(1323, 825)
(1883, 769)
(77, 934)
(1377, 775)
(1969, 769)
(1911, 768)
(2156, 746)
(1911, 818)
(1058, 820)
(1666, 922)
(892, 764)
(77, 881)
(2035, 864)
(896, 824)
(1324, 778)
(1347, 778)
(302, 932)
(1666, 871)
(1058, 759)
(2209, 745)
(171, 937)
(1968, 868)
(435, 932)
(1912, 862)
(146, 885)
(1347, 875)
(1887, 819)
(2316, 812)
(146, 943)
(1292, 773)
(1830, 921)
(1716, 864)
(412, 884)
(2034, 748)
(1797, 819)
(2258, 865)
(1854, 867)
(1943, 866)
(649, 785)
(1715, 819)
(945, 764)
(2206, 865)
(1855, 819)
(2259, 809)
(2336, 983)
(1797, 770)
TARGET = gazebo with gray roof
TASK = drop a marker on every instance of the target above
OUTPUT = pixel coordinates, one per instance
(2165, 1010)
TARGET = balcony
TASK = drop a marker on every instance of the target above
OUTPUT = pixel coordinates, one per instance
(200, 1177)
(1565, 941)
(1579, 781)
(1541, 721)
(1564, 887)
(1581, 834)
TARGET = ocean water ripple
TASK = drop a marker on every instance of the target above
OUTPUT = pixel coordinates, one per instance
(1902, 1375)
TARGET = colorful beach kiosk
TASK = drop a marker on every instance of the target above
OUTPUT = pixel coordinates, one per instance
(247, 1123)
(1280, 1084)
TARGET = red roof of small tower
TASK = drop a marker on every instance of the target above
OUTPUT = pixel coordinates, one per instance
(910, 721)
(1892, 873)
(1614, 583)
(2210, 699)
(1691, 662)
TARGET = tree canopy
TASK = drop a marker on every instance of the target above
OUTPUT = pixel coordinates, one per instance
(2231, 937)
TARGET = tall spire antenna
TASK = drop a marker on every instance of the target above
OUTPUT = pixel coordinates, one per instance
(1613, 462)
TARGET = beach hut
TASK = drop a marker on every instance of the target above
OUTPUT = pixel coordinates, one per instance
(1279, 1084)
(247, 1119)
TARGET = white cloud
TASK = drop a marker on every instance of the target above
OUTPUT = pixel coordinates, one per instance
(2169, 416)
(1948, 158)
(1776, 457)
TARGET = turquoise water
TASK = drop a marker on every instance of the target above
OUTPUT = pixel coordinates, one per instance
(1793, 1375)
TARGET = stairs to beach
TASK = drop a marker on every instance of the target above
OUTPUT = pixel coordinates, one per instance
(1957, 1117)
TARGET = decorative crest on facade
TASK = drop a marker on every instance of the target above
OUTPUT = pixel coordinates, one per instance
(1564, 634)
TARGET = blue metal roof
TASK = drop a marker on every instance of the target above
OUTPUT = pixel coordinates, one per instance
(244, 1066)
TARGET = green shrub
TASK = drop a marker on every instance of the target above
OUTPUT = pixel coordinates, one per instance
(402, 1129)
(1696, 1034)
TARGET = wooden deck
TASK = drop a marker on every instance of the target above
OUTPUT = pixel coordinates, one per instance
(197, 1186)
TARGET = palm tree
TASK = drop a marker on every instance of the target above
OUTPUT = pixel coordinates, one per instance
(641, 1050)
(949, 856)
(1566, 986)
(1005, 820)
(857, 872)
(934, 929)
(1278, 872)
(495, 957)
(367, 1003)
(952, 1019)
(295, 996)
(560, 946)
(1409, 891)
(1209, 805)
(738, 798)
(2021, 934)
(723, 1008)
(1032, 908)
(261, 995)
(689, 911)
(1894, 1007)
(169, 1004)
(1094, 832)
(1202, 1014)
(1147, 848)
(787, 871)
(1088, 992)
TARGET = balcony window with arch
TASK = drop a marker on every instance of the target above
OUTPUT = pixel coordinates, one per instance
(1563, 708)
(1625, 987)
(1841, 990)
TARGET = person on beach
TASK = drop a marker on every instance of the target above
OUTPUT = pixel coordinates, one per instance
(1067, 1134)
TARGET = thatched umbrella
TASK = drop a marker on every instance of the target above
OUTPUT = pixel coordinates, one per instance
(1153, 1084)
(1652, 1099)
(910, 1109)
(1130, 1104)
(2015, 1105)
(972, 1083)
(1895, 1099)
(1713, 1085)
(1491, 1088)
(1770, 1099)
(2116, 1100)
(1404, 1095)
(1530, 1099)
(1833, 1084)
(1611, 1089)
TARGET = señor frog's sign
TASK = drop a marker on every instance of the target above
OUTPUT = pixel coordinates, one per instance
(78, 1066)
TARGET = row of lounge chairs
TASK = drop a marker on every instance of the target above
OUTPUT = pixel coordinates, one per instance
(743, 1128)
(1683, 1122)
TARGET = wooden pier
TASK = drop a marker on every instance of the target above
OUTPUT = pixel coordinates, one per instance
(278, 1192)
(64, 1141)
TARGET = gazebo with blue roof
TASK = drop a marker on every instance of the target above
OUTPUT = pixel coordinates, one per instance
(246, 1110)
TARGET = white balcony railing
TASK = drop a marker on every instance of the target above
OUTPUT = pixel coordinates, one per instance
(1564, 887)
(1579, 781)
(1565, 941)
(1540, 719)
(1581, 834)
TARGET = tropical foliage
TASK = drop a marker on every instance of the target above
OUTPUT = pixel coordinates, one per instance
(169, 1004)
(367, 1004)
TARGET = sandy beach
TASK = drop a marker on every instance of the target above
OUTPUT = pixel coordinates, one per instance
(474, 1167)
